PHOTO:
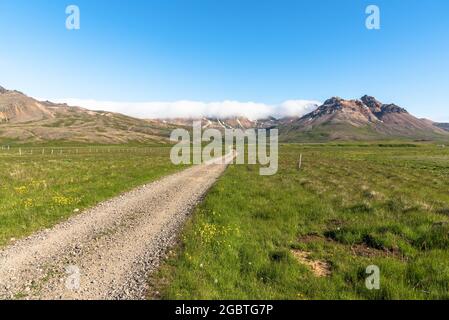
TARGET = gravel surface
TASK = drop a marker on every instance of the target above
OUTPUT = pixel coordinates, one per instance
(108, 251)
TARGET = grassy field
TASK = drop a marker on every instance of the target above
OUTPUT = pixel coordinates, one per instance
(311, 233)
(41, 186)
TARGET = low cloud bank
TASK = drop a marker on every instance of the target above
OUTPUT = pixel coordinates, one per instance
(197, 109)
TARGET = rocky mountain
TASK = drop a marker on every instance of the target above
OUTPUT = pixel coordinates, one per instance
(15, 107)
(361, 119)
(24, 119)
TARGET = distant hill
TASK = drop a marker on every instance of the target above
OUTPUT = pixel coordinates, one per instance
(364, 119)
(24, 119)
(444, 126)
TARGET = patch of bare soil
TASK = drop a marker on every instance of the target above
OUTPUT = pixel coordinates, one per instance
(318, 267)
(364, 250)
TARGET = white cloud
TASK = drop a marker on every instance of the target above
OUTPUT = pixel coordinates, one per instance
(196, 109)
(292, 108)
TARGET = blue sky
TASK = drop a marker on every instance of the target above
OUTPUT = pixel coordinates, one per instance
(240, 50)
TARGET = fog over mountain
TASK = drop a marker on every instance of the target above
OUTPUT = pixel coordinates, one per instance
(198, 109)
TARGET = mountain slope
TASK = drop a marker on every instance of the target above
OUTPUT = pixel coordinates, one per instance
(24, 119)
(444, 126)
(364, 119)
(226, 123)
(15, 107)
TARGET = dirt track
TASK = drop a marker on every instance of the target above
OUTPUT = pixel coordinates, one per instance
(108, 251)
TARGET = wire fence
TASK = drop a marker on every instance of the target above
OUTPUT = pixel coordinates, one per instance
(66, 151)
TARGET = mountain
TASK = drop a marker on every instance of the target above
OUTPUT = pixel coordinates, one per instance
(15, 107)
(364, 119)
(24, 119)
(226, 123)
(444, 126)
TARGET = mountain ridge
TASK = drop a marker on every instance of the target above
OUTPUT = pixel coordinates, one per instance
(26, 119)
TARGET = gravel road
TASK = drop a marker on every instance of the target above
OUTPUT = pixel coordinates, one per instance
(108, 251)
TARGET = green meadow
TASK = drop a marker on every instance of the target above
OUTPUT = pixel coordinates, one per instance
(41, 186)
(307, 233)
(311, 233)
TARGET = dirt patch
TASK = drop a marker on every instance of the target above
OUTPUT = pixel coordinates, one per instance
(318, 267)
(360, 249)
(363, 250)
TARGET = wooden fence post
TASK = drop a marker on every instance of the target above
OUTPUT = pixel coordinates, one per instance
(300, 162)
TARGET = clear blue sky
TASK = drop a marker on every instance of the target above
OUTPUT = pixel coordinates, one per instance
(213, 50)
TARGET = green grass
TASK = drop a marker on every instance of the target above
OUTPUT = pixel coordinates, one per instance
(38, 190)
(329, 132)
(350, 206)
